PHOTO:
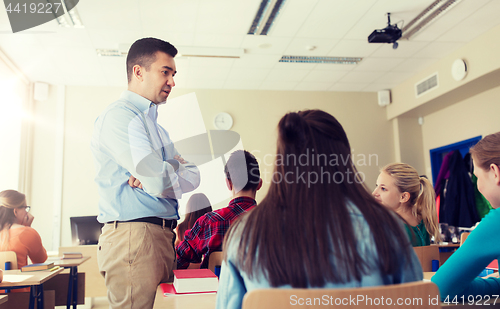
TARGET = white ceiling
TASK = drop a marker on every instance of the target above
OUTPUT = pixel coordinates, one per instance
(68, 56)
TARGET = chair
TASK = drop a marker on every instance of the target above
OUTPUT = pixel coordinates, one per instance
(8, 256)
(463, 237)
(407, 295)
(426, 254)
(214, 259)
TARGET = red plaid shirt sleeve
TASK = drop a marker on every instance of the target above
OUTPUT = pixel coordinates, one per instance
(208, 232)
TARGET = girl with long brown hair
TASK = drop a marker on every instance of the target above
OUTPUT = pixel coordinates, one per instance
(318, 226)
(400, 188)
(197, 205)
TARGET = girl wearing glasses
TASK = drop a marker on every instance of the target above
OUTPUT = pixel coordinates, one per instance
(16, 233)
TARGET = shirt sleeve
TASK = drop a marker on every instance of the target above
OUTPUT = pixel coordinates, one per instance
(125, 138)
(33, 242)
(195, 244)
(232, 288)
(458, 276)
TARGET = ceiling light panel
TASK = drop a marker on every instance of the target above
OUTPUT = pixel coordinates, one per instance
(330, 60)
(266, 15)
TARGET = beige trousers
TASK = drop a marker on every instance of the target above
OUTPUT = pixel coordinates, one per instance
(134, 258)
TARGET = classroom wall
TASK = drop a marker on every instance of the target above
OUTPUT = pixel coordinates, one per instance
(255, 114)
(474, 116)
(481, 56)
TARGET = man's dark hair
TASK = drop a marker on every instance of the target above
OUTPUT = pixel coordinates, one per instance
(143, 53)
(242, 169)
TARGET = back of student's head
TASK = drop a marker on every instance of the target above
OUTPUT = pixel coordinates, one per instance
(242, 169)
(422, 200)
(305, 220)
(197, 205)
(143, 53)
(9, 200)
(487, 151)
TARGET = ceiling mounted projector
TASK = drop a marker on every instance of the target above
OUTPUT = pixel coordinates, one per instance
(389, 34)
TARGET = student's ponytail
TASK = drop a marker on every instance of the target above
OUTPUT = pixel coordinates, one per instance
(426, 208)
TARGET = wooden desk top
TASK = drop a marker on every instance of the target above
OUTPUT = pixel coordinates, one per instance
(36, 277)
(448, 245)
(70, 262)
(202, 301)
(4, 298)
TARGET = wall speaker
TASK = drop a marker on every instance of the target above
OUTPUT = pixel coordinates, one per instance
(41, 91)
(384, 97)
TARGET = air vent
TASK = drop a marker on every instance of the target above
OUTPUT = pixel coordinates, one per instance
(427, 85)
(333, 60)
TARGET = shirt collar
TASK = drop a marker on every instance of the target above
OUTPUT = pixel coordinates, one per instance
(137, 100)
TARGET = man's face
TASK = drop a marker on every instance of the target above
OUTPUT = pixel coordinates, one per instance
(158, 81)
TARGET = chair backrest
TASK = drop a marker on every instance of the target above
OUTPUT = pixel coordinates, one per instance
(426, 254)
(411, 295)
(8, 256)
(214, 259)
(463, 237)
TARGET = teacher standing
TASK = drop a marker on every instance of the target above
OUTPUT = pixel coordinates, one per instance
(140, 176)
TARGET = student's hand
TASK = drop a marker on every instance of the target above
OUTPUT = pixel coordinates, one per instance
(180, 159)
(134, 182)
(28, 219)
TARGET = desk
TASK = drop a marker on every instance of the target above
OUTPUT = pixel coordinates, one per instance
(72, 264)
(202, 301)
(35, 282)
(445, 251)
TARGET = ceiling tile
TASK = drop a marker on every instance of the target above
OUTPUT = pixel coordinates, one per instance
(378, 64)
(295, 65)
(376, 17)
(287, 75)
(176, 17)
(335, 67)
(225, 16)
(476, 24)
(176, 39)
(291, 17)
(324, 76)
(218, 40)
(405, 49)
(256, 61)
(261, 44)
(448, 20)
(208, 72)
(414, 65)
(313, 86)
(310, 47)
(361, 77)
(100, 38)
(110, 14)
(248, 74)
(353, 48)
(332, 19)
(438, 49)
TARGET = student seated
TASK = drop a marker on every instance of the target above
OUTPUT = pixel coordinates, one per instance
(317, 227)
(400, 188)
(15, 231)
(243, 180)
(197, 205)
(458, 276)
